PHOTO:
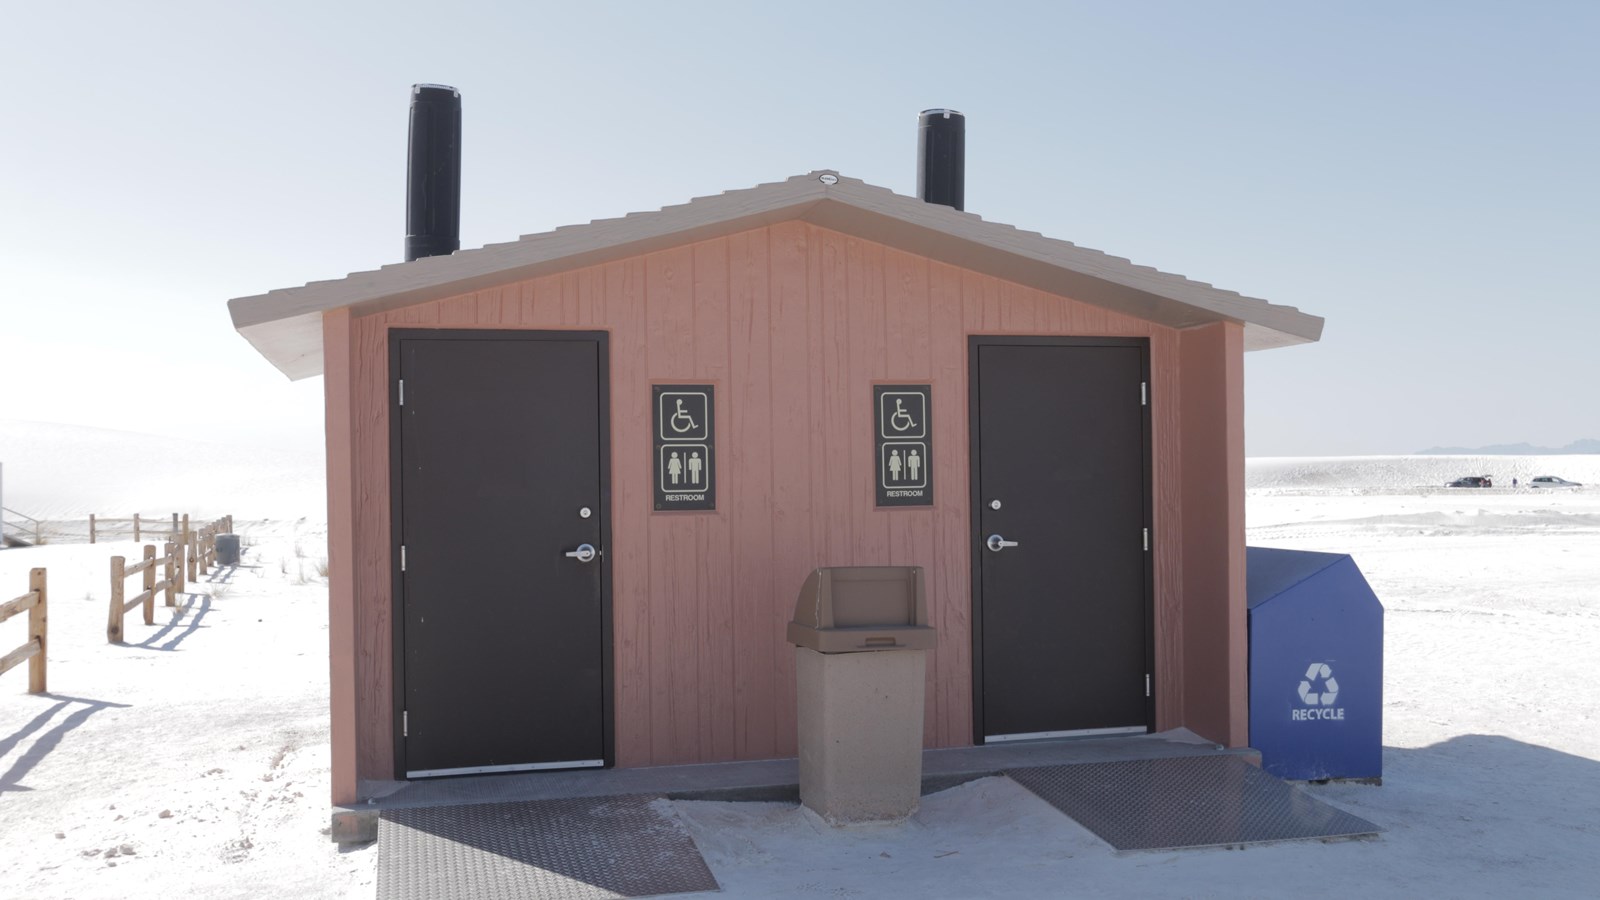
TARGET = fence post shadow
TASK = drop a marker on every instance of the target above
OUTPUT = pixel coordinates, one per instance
(11, 780)
(222, 574)
(181, 614)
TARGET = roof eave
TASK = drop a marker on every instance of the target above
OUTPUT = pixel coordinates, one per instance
(1057, 267)
(285, 325)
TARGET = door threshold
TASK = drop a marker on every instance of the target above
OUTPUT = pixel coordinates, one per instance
(522, 767)
(1079, 732)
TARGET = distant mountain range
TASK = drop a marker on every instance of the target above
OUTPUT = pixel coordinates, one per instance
(1587, 445)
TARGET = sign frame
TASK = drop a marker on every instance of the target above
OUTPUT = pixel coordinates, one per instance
(683, 421)
(902, 445)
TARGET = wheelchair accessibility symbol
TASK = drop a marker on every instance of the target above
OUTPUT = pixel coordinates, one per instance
(683, 416)
(681, 421)
(900, 420)
(902, 414)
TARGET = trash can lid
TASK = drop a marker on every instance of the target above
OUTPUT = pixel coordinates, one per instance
(1269, 571)
(848, 609)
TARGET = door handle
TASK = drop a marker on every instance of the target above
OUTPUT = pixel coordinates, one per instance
(998, 543)
(584, 553)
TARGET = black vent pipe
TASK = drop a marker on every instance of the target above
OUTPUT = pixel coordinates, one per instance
(433, 172)
(942, 157)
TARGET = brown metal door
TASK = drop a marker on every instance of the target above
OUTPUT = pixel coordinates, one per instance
(503, 641)
(1061, 568)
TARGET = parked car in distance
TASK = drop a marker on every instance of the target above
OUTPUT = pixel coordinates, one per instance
(1551, 481)
(1472, 481)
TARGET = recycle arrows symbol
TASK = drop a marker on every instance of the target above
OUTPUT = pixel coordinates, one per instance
(1330, 692)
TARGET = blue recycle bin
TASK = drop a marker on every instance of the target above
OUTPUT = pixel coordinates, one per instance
(1316, 666)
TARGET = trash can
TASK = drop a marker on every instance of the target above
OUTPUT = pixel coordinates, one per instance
(227, 549)
(1316, 666)
(861, 638)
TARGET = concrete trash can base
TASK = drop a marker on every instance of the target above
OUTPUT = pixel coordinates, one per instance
(227, 549)
(861, 637)
(860, 730)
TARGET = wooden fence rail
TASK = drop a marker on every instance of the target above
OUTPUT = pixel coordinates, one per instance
(120, 571)
(36, 602)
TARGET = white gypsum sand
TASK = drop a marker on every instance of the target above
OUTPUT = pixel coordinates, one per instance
(189, 761)
(219, 718)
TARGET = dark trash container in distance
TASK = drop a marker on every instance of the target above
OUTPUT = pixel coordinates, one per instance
(861, 638)
(1316, 666)
(227, 549)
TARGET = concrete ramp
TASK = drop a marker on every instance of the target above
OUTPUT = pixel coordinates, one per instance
(1193, 801)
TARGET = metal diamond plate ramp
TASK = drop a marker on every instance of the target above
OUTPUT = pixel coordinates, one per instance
(1196, 801)
(576, 849)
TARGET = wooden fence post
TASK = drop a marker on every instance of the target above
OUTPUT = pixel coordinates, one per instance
(191, 553)
(150, 584)
(114, 624)
(172, 577)
(136, 526)
(38, 624)
(91, 528)
(179, 583)
(185, 573)
(174, 525)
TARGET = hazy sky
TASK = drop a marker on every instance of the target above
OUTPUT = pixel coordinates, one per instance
(1424, 175)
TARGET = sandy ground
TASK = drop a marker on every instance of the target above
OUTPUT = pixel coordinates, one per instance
(191, 761)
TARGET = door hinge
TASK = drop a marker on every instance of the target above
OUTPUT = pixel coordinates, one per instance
(402, 557)
(1147, 684)
(1144, 393)
(1146, 545)
(402, 392)
(405, 717)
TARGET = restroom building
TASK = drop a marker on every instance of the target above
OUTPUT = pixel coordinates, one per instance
(576, 480)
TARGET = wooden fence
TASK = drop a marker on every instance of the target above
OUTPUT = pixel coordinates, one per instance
(21, 529)
(138, 528)
(36, 602)
(190, 556)
(172, 562)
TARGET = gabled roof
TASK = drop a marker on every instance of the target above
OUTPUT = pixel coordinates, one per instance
(286, 325)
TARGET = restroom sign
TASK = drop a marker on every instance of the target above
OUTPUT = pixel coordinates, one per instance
(903, 444)
(683, 451)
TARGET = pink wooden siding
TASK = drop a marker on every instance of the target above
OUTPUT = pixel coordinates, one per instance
(793, 323)
(1212, 419)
